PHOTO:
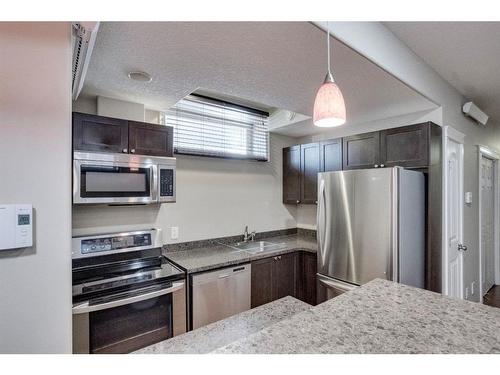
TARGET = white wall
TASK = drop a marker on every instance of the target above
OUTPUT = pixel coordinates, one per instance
(215, 198)
(374, 41)
(35, 156)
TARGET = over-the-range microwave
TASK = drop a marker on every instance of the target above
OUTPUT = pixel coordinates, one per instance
(107, 178)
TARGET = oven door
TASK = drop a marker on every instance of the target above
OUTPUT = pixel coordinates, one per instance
(113, 182)
(122, 324)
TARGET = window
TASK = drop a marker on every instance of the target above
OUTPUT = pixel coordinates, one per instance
(211, 127)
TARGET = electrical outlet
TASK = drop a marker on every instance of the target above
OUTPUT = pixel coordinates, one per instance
(467, 293)
(174, 233)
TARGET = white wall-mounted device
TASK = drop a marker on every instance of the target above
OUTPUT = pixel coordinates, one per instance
(16, 226)
(468, 197)
(473, 111)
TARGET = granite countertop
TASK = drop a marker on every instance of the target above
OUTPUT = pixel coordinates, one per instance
(211, 257)
(224, 332)
(381, 317)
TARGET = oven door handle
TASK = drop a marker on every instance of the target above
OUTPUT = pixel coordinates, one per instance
(85, 308)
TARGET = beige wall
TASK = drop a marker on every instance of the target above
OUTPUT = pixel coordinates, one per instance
(215, 197)
(35, 156)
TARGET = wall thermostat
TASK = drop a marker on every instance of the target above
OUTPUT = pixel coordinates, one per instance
(16, 226)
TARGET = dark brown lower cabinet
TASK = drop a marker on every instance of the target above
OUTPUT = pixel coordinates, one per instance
(308, 278)
(262, 280)
(285, 275)
(292, 274)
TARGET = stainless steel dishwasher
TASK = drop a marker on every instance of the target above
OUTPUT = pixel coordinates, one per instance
(220, 294)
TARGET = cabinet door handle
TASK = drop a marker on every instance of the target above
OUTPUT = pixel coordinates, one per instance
(376, 165)
(382, 165)
(132, 151)
(275, 258)
(279, 257)
(124, 150)
(298, 202)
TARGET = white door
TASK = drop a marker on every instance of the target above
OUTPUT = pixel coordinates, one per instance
(454, 213)
(487, 224)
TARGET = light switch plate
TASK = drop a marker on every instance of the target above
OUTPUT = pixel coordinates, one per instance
(468, 197)
(174, 233)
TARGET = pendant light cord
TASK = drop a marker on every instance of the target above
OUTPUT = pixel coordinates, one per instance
(328, 45)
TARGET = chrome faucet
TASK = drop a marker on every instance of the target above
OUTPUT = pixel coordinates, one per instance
(248, 236)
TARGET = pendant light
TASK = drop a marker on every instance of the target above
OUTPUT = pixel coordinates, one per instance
(329, 106)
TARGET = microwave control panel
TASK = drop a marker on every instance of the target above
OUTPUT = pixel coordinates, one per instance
(16, 226)
(167, 185)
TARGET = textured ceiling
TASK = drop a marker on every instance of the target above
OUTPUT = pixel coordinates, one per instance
(277, 64)
(466, 54)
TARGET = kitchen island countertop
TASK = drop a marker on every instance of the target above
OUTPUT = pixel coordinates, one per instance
(381, 317)
(223, 332)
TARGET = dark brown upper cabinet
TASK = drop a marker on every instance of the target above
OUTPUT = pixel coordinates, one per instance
(309, 168)
(361, 151)
(150, 139)
(407, 146)
(330, 155)
(98, 133)
(106, 134)
(291, 175)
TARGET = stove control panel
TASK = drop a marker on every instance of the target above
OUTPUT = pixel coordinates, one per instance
(104, 244)
(16, 226)
(95, 245)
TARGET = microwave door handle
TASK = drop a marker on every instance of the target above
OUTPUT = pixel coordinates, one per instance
(86, 308)
(155, 182)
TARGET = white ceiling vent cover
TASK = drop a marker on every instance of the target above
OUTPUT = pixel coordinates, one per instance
(83, 40)
(473, 111)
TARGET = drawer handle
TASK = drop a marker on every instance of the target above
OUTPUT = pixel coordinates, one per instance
(238, 269)
(223, 276)
(124, 150)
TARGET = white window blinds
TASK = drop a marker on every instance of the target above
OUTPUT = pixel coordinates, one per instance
(210, 127)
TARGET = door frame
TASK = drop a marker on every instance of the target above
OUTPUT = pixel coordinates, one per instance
(456, 136)
(485, 152)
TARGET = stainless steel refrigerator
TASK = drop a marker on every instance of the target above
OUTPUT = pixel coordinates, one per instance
(371, 224)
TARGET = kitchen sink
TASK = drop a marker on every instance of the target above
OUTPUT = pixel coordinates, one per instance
(255, 247)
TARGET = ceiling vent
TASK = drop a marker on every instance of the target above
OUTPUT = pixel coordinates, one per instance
(83, 40)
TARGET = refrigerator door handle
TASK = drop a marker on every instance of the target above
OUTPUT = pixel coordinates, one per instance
(321, 220)
(335, 284)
